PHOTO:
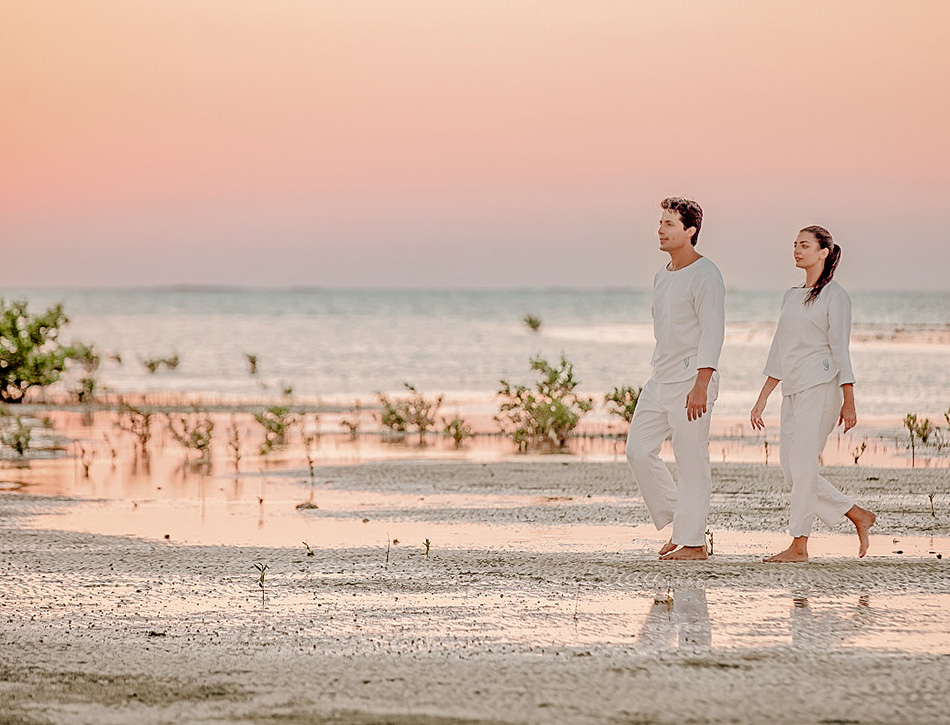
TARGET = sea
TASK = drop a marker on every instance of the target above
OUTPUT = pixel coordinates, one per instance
(343, 345)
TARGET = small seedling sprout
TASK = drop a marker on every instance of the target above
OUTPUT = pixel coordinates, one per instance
(260, 581)
(427, 544)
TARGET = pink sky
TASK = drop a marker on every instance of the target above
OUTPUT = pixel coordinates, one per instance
(472, 144)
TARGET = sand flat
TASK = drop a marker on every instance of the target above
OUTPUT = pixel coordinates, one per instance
(572, 622)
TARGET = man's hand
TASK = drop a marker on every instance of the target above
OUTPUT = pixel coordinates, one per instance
(696, 400)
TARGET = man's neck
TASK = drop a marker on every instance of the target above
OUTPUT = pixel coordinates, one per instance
(682, 258)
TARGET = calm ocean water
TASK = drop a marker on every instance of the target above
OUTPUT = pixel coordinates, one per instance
(348, 344)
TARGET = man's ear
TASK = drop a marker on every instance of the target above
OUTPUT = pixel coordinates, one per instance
(691, 231)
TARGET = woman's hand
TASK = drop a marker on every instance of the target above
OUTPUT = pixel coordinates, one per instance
(848, 416)
(756, 416)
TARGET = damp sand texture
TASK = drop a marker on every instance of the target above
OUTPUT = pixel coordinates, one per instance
(566, 626)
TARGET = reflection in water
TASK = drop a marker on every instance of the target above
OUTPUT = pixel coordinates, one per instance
(830, 625)
(677, 619)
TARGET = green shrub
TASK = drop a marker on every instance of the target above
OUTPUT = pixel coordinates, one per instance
(89, 360)
(193, 432)
(17, 436)
(277, 422)
(532, 322)
(414, 412)
(137, 421)
(543, 416)
(622, 401)
(30, 352)
(457, 429)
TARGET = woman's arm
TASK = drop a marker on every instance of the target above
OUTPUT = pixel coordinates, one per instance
(839, 334)
(848, 415)
(756, 416)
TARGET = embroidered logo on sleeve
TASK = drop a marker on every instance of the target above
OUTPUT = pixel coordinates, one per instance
(686, 363)
(826, 365)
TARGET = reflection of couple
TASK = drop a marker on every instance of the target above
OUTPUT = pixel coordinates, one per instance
(681, 619)
(809, 355)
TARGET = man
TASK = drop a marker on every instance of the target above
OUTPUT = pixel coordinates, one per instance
(689, 325)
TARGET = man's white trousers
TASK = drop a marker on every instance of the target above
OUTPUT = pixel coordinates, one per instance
(808, 417)
(661, 412)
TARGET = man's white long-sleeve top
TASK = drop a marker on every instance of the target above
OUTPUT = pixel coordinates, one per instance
(689, 320)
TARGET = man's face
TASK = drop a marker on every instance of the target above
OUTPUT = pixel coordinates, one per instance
(673, 235)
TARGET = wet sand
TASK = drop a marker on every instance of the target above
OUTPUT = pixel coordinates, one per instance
(541, 601)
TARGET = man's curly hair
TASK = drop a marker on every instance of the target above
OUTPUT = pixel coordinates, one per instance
(690, 212)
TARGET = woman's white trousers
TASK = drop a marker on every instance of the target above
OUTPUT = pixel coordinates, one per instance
(808, 417)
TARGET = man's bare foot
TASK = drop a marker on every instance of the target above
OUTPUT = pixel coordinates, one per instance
(667, 547)
(863, 520)
(686, 553)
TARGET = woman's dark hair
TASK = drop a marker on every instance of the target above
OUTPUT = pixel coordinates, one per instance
(690, 212)
(831, 261)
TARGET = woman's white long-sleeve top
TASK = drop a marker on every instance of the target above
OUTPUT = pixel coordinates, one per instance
(811, 342)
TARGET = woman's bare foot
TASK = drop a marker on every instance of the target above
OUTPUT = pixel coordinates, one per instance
(686, 553)
(667, 547)
(796, 553)
(863, 520)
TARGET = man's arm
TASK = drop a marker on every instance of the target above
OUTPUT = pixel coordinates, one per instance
(711, 312)
(696, 400)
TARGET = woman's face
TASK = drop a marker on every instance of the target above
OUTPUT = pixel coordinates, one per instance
(808, 253)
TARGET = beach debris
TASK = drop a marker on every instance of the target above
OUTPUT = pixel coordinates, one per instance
(154, 633)
(931, 497)
(427, 545)
(306, 505)
(710, 542)
(251, 363)
(309, 550)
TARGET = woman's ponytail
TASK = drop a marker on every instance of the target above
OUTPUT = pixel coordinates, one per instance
(831, 261)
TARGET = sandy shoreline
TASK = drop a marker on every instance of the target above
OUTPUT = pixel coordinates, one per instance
(116, 629)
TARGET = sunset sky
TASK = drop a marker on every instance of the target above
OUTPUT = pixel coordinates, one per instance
(468, 144)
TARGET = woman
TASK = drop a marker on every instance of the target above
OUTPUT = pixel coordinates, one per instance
(810, 356)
